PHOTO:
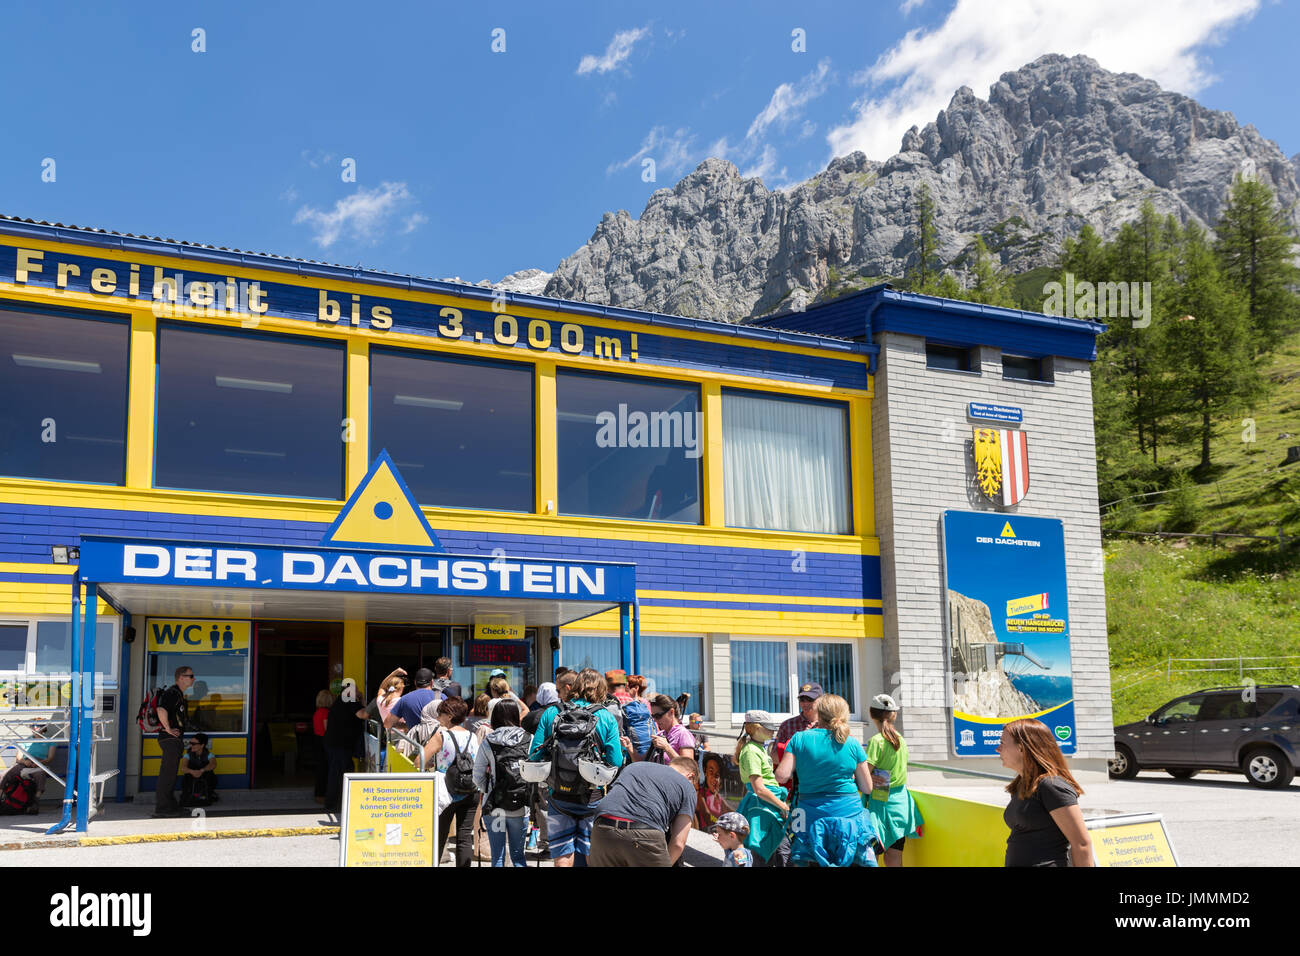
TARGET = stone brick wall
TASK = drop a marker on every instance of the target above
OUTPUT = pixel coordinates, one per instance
(921, 442)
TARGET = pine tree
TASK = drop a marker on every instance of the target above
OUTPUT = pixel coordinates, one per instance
(924, 273)
(991, 286)
(1254, 249)
(1212, 368)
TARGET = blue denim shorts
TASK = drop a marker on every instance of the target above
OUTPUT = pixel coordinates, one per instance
(568, 827)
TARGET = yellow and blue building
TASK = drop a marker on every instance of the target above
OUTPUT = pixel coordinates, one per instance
(285, 474)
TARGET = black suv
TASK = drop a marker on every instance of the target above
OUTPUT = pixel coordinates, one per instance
(1254, 729)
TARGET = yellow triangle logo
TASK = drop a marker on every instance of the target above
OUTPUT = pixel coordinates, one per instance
(1006, 531)
(382, 513)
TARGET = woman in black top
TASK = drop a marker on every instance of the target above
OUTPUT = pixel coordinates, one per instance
(1047, 827)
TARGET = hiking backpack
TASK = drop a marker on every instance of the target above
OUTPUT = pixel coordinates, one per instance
(509, 792)
(573, 738)
(18, 793)
(640, 727)
(147, 717)
(460, 772)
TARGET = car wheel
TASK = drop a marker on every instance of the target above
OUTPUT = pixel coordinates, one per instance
(1182, 773)
(1122, 764)
(1267, 768)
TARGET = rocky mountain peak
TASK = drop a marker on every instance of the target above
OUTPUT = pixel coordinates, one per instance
(1057, 143)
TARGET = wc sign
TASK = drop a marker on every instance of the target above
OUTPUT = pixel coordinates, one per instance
(169, 635)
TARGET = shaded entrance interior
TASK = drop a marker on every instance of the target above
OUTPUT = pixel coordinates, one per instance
(292, 665)
(408, 646)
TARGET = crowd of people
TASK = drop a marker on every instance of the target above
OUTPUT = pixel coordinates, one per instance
(596, 770)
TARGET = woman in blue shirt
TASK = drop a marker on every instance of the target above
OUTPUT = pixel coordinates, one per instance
(831, 826)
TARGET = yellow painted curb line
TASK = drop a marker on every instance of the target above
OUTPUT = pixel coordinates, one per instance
(206, 835)
(173, 837)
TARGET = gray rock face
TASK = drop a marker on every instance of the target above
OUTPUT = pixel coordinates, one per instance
(1058, 143)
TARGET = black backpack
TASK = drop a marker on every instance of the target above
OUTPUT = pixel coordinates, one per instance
(460, 773)
(509, 792)
(573, 738)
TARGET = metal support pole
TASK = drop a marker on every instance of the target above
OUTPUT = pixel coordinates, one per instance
(74, 710)
(636, 637)
(86, 691)
(625, 635)
(123, 686)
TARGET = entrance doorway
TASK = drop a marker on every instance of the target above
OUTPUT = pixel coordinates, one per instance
(408, 646)
(291, 667)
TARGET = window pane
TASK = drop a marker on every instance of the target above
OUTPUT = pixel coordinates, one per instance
(946, 357)
(13, 647)
(62, 397)
(54, 647)
(676, 666)
(250, 414)
(760, 677)
(220, 678)
(830, 665)
(598, 652)
(628, 448)
(785, 466)
(461, 433)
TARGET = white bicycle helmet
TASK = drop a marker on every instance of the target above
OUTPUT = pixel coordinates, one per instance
(535, 771)
(596, 772)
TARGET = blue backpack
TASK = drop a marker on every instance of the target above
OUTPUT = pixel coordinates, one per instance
(640, 727)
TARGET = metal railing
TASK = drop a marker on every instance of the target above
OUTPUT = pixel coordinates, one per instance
(1238, 664)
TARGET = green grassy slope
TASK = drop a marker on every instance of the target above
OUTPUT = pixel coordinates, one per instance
(1178, 599)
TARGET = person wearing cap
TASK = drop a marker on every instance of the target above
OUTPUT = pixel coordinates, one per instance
(892, 808)
(645, 817)
(806, 719)
(199, 777)
(617, 681)
(407, 709)
(764, 805)
(732, 831)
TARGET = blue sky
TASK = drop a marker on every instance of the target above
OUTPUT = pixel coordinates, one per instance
(476, 163)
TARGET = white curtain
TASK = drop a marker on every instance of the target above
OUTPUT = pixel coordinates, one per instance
(785, 465)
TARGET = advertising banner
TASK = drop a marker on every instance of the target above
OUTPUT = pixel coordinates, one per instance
(1008, 627)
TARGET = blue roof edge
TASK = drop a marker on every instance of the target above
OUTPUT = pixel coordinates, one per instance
(129, 243)
(886, 309)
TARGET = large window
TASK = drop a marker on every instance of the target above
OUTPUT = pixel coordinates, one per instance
(249, 414)
(42, 648)
(785, 464)
(461, 433)
(675, 666)
(628, 447)
(761, 677)
(63, 386)
(600, 652)
(218, 698)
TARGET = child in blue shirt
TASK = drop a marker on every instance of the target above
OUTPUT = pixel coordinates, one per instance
(731, 831)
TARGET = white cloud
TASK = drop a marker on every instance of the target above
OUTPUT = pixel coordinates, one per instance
(364, 215)
(619, 49)
(670, 151)
(765, 168)
(982, 39)
(909, 5)
(789, 98)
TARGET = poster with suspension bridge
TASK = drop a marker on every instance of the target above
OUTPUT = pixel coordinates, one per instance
(1008, 627)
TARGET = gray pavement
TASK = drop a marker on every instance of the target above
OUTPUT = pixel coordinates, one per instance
(139, 840)
(1214, 819)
